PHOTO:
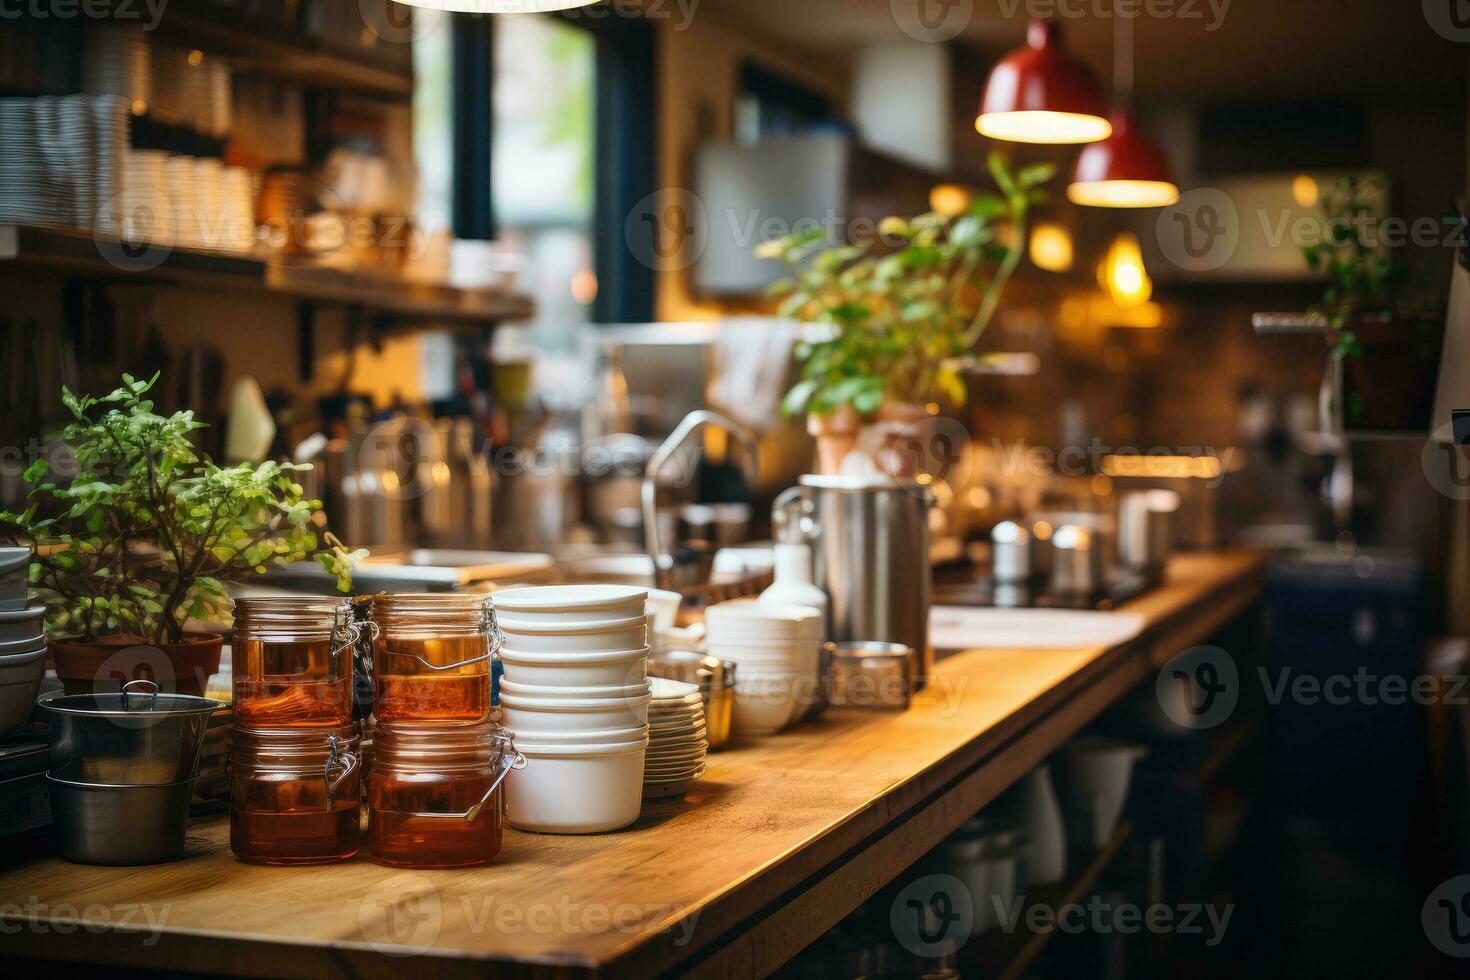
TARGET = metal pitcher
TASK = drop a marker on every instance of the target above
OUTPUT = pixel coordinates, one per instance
(870, 539)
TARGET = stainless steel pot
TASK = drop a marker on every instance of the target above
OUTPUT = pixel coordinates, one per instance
(870, 538)
(1145, 528)
(134, 738)
(119, 825)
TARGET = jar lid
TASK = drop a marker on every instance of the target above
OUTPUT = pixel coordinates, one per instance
(431, 613)
(295, 615)
(290, 748)
(431, 747)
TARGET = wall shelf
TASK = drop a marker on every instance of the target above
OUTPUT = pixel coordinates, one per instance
(78, 253)
(270, 47)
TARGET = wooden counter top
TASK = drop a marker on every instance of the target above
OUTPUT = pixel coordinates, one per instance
(776, 844)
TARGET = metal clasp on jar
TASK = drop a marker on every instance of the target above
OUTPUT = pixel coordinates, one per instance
(493, 640)
(507, 758)
(343, 761)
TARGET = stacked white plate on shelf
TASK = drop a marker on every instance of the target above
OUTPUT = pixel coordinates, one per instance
(676, 738)
(779, 652)
(58, 158)
(115, 61)
(575, 692)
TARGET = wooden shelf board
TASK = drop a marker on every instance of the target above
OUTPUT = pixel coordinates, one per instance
(79, 253)
(1007, 956)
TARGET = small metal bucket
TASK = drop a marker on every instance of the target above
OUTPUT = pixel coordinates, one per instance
(119, 825)
(138, 737)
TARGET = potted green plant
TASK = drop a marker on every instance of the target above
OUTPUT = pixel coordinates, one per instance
(898, 317)
(1384, 328)
(143, 535)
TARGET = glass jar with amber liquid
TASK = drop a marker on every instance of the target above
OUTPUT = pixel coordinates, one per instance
(431, 659)
(292, 662)
(296, 795)
(434, 794)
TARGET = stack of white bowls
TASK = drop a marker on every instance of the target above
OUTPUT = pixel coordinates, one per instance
(779, 652)
(676, 738)
(22, 642)
(575, 693)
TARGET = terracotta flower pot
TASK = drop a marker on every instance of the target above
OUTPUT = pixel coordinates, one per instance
(106, 664)
(1391, 385)
(903, 438)
(837, 435)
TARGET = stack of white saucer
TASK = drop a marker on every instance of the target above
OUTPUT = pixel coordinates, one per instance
(676, 738)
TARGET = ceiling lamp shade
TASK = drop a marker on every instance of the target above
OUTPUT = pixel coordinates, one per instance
(1041, 94)
(1123, 171)
(497, 6)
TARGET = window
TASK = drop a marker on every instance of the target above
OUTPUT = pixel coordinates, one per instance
(537, 130)
(543, 161)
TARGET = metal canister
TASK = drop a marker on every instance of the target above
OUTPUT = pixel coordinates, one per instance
(870, 539)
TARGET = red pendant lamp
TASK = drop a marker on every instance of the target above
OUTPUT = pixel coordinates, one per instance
(1125, 170)
(1041, 94)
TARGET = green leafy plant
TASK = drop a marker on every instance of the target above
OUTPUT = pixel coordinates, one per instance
(1364, 281)
(903, 313)
(147, 530)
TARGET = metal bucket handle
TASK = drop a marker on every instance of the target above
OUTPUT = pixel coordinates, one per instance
(493, 639)
(509, 758)
(143, 687)
(337, 759)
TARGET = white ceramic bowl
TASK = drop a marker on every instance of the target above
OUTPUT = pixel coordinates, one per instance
(21, 624)
(622, 668)
(20, 682)
(576, 789)
(663, 608)
(15, 565)
(533, 715)
(601, 736)
(562, 605)
(520, 690)
(602, 636)
(750, 617)
(759, 715)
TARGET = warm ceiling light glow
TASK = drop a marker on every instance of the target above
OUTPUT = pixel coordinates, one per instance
(1123, 193)
(1041, 126)
(1041, 94)
(1304, 190)
(1122, 273)
(950, 200)
(498, 6)
(584, 286)
(1123, 171)
(1051, 247)
(1154, 467)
